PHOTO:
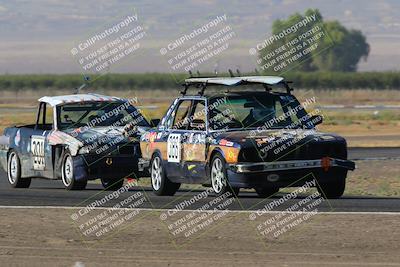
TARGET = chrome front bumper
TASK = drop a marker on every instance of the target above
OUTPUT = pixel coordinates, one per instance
(143, 164)
(325, 163)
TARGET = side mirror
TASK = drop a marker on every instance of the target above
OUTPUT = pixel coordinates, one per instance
(154, 122)
(316, 119)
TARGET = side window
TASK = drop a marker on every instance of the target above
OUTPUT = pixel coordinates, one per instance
(288, 111)
(198, 117)
(223, 114)
(181, 120)
(44, 120)
(49, 115)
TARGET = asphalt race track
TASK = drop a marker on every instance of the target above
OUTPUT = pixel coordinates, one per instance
(366, 153)
(51, 193)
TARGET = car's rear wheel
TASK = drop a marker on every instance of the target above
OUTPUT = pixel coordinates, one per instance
(160, 183)
(219, 177)
(14, 172)
(332, 190)
(112, 184)
(266, 192)
(68, 174)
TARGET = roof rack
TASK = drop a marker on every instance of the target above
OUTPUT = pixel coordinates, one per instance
(266, 81)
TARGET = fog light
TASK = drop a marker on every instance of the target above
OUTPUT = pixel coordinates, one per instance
(273, 177)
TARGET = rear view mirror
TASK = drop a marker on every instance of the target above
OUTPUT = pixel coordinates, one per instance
(154, 122)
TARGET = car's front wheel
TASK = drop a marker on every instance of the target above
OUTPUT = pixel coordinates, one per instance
(219, 177)
(332, 190)
(14, 172)
(160, 183)
(68, 174)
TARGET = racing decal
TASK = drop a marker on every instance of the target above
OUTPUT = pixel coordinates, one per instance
(152, 137)
(17, 138)
(174, 148)
(37, 149)
(190, 140)
(225, 142)
(196, 138)
(231, 156)
(145, 137)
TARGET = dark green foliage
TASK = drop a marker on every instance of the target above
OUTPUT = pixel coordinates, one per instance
(164, 81)
(339, 49)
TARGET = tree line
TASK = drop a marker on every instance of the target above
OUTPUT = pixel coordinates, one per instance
(165, 81)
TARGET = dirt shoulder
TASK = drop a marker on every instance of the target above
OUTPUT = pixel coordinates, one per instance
(48, 237)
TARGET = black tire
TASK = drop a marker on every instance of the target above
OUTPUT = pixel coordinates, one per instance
(219, 177)
(112, 184)
(160, 183)
(68, 175)
(14, 172)
(332, 190)
(266, 192)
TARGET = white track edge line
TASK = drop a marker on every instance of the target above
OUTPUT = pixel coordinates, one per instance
(229, 211)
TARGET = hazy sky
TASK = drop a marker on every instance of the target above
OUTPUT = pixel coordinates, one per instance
(37, 36)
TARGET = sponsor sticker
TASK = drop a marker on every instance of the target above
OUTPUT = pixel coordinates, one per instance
(225, 142)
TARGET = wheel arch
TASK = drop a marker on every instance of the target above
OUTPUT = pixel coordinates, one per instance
(156, 152)
(215, 151)
(58, 152)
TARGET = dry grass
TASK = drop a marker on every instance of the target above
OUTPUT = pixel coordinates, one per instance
(155, 102)
(375, 178)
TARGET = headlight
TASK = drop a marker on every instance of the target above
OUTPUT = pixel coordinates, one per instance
(84, 150)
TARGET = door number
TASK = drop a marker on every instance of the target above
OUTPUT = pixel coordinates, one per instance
(37, 148)
(174, 148)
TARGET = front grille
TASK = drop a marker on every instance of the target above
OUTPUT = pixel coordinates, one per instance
(127, 149)
(326, 149)
(300, 151)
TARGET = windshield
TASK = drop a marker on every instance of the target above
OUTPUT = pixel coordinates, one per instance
(265, 110)
(99, 114)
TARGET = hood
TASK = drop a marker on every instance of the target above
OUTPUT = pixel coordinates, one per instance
(98, 134)
(272, 145)
(94, 137)
(268, 136)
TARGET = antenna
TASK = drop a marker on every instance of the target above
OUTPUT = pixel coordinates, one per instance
(85, 83)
